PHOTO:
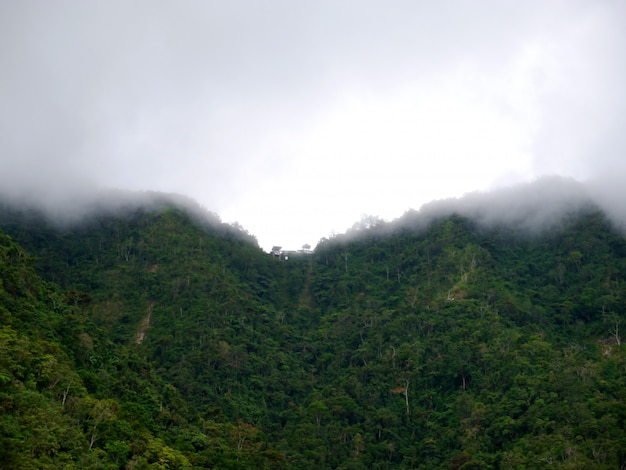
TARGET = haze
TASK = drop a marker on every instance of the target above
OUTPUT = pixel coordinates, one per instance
(296, 118)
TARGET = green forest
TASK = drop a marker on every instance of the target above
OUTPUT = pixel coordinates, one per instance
(158, 337)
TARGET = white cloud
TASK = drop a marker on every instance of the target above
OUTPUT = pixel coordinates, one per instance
(296, 118)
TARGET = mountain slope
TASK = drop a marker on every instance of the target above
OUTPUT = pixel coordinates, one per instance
(443, 344)
(127, 412)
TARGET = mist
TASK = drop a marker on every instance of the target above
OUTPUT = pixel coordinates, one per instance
(530, 208)
(296, 119)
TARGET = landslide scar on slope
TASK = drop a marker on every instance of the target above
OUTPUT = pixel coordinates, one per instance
(145, 324)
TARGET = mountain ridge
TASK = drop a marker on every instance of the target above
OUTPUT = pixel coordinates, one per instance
(403, 344)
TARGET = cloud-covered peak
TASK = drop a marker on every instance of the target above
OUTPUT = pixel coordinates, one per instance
(294, 118)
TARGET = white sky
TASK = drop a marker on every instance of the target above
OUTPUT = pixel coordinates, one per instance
(296, 118)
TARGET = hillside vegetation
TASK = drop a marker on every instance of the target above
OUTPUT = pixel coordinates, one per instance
(157, 339)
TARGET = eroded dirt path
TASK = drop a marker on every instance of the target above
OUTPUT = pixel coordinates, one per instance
(145, 324)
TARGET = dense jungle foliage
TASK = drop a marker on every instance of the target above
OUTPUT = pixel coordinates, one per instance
(154, 339)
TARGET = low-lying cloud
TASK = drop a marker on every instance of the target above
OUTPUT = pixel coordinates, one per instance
(295, 118)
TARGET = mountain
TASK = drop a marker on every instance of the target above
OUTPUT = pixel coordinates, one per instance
(155, 336)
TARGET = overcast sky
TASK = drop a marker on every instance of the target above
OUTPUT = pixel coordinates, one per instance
(295, 118)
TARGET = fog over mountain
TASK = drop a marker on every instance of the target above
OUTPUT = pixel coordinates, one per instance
(532, 207)
(295, 119)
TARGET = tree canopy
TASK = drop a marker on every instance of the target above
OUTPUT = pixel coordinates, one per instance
(151, 340)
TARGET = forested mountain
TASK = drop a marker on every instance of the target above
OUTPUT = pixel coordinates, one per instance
(162, 338)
